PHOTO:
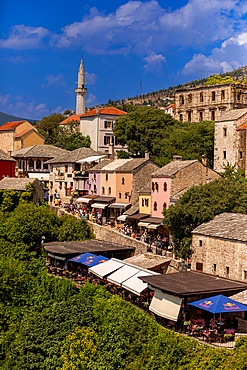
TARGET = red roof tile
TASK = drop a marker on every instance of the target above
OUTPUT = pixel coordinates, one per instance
(74, 117)
(11, 125)
(24, 132)
(243, 127)
(105, 111)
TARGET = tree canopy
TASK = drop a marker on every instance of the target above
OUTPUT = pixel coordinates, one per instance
(201, 204)
(48, 124)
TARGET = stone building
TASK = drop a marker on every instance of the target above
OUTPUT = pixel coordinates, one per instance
(219, 247)
(209, 102)
(19, 184)
(230, 140)
(17, 135)
(175, 178)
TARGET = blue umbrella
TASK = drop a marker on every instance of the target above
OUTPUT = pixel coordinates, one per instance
(219, 304)
(89, 259)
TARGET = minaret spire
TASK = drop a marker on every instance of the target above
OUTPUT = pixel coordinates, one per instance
(81, 91)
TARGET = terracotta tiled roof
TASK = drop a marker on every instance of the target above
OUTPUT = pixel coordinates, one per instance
(104, 111)
(39, 151)
(74, 117)
(172, 168)
(5, 157)
(11, 125)
(232, 115)
(74, 155)
(24, 132)
(243, 127)
(226, 225)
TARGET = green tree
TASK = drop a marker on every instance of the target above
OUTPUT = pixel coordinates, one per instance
(68, 137)
(123, 154)
(233, 173)
(48, 124)
(216, 79)
(73, 229)
(201, 204)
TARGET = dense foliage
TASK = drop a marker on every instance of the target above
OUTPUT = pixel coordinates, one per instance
(9, 199)
(201, 204)
(152, 129)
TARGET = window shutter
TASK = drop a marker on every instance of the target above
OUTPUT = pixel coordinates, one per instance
(105, 124)
(105, 140)
(115, 141)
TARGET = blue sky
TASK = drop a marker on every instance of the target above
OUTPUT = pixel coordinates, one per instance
(160, 43)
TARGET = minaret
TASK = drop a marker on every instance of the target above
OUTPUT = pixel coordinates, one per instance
(81, 91)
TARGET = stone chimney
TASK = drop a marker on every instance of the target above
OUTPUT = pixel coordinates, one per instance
(177, 158)
(97, 109)
(146, 154)
(204, 159)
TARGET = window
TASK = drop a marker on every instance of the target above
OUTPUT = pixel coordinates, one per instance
(200, 116)
(212, 115)
(119, 195)
(103, 190)
(66, 168)
(213, 95)
(224, 131)
(214, 268)
(165, 186)
(222, 94)
(201, 97)
(200, 243)
(152, 186)
(107, 140)
(238, 95)
(94, 176)
(181, 118)
(31, 163)
(155, 206)
(199, 266)
(108, 124)
(189, 116)
(156, 186)
(38, 164)
(190, 98)
(146, 202)
(245, 274)
(126, 195)
(240, 154)
(227, 271)
(224, 154)
(181, 100)
(109, 190)
(123, 181)
(94, 189)
(164, 206)
(106, 177)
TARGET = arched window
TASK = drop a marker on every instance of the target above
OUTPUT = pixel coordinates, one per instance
(38, 164)
(146, 202)
(109, 190)
(123, 181)
(156, 186)
(155, 206)
(103, 190)
(142, 202)
(94, 176)
(165, 186)
(106, 177)
(164, 205)
(31, 163)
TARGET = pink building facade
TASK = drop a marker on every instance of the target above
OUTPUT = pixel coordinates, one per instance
(160, 194)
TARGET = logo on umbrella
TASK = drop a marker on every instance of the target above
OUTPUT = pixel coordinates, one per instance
(206, 304)
(229, 306)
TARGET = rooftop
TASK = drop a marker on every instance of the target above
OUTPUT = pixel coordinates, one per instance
(24, 132)
(11, 125)
(113, 165)
(232, 115)
(5, 157)
(189, 283)
(146, 189)
(226, 225)
(172, 168)
(148, 261)
(13, 183)
(204, 87)
(104, 111)
(74, 118)
(100, 165)
(93, 246)
(133, 164)
(42, 151)
(132, 210)
(74, 155)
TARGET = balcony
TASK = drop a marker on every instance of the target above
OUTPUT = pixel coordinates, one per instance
(59, 177)
(80, 174)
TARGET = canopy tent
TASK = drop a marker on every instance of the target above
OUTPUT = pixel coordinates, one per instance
(134, 284)
(122, 218)
(83, 200)
(120, 205)
(89, 259)
(100, 205)
(219, 304)
(153, 226)
(143, 224)
(165, 305)
(105, 269)
(124, 273)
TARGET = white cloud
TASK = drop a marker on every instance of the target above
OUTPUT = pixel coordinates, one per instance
(91, 99)
(57, 81)
(91, 78)
(4, 99)
(24, 37)
(154, 62)
(17, 59)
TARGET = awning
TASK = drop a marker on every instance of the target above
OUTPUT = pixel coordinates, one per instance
(83, 200)
(106, 268)
(90, 159)
(122, 274)
(138, 216)
(120, 205)
(100, 205)
(39, 175)
(153, 226)
(56, 257)
(153, 220)
(165, 305)
(122, 218)
(143, 224)
(134, 284)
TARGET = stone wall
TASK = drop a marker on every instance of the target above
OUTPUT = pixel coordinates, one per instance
(7, 141)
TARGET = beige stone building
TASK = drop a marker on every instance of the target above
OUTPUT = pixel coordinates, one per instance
(17, 135)
(219, 247)
(230, 140)
(209, 102)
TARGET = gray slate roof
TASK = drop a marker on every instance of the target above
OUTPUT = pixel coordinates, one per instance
(39, 151)
(226, 225)
(74, 155)
(5, 157)
(100, 165)
(172, 168)
(132, 210)
(146, 189)
(147, 260)
(13, 183)
(131, 165)
(232, 115)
